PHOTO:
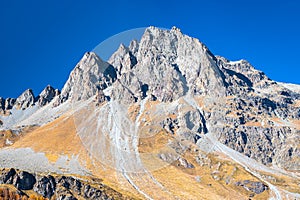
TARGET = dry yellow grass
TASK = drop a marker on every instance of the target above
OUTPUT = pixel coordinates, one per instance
(55, 138)
(133, 111)
(154, 143)
(59, 138)
(9, 192)
(287, 183)
(296, 124)
(181, 182)
(297, 103)
(8, 135)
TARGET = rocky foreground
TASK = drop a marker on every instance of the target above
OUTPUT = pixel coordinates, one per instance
(32, 186)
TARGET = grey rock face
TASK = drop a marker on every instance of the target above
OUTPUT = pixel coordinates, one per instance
(47, 95)
(256, 187)
(244, 72)
(45, 186)
(167, 62)
(169, 125)
(62, 187)
(89, 75)
(9, 103)
(7, 177)
(25, 100)
(2, 104)
(245, 110)
(123, 60)
(134, 47)
(127, 89)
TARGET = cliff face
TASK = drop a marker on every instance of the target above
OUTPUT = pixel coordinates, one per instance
(166, 102)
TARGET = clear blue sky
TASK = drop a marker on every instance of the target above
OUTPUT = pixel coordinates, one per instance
(41, 41)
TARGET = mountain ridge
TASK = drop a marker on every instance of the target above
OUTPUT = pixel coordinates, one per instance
(166, 102)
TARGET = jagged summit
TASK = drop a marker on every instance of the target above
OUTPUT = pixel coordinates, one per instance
(89, 75)
(168, 62)
(161, 110)
(27, 99)
(47, 95)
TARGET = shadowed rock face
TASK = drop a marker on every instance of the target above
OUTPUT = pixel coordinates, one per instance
(89, 75)
(63, 187)
(47, 95)
(25, 100)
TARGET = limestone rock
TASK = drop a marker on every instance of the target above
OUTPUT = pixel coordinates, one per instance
(47, 95)
(123, 60)
(25, 100)
(9, 103)
(45, 186)
(256, 187)
(2, 104)
(134, 47)
(60, 187)
(89, 75)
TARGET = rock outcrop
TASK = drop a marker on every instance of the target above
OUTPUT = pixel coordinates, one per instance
(25, 100)
(47, 95)
(9, 103)
(89, 75)
(60, 187)
(256, 187)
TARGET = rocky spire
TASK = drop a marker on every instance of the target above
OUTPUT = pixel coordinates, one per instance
(25, 100)
(47, 95)
(9, 103)
(134, 47)
(123, 59)
(170, 64)
(89, 75)
(2, 104)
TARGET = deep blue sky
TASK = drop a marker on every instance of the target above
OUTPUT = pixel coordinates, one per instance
(41, 41)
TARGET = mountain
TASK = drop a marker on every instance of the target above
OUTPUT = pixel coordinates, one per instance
(162, 119)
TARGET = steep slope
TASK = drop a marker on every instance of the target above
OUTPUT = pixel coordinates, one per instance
(162, 119)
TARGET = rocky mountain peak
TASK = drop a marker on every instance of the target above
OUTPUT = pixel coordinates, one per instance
(175, 29)
(123, 59)
(134, 47)
(168, 58)
(25, 100)
(242, 70)
(9, 103)
(90, 74)
(165, 102)
(47, 95)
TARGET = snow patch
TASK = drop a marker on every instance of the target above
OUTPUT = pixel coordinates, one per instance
(235, 62)
(290, 86)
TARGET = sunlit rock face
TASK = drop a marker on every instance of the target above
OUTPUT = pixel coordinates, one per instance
(163, 109)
